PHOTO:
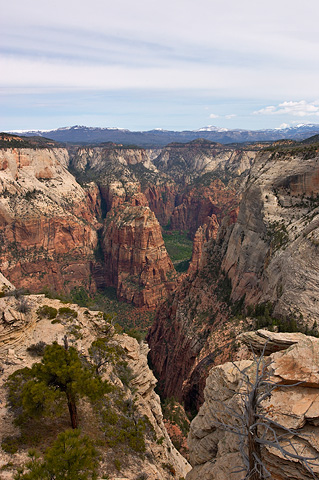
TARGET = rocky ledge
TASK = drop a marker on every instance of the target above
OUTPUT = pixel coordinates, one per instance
(214, 452)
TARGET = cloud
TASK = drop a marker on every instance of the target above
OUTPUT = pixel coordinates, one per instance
(227, 117)
(296, 109)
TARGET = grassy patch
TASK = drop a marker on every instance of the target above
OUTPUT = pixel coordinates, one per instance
(179, 247)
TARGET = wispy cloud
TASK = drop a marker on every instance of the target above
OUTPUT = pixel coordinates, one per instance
(296, 109)
(227, 117)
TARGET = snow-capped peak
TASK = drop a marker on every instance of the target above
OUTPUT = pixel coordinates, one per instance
(211, 128)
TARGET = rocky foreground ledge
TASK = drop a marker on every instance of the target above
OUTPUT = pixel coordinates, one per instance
(214, 452)
(21, 328)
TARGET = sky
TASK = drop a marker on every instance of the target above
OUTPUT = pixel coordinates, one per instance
(171, 64)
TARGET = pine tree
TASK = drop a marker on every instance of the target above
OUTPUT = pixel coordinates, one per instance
(60, 375)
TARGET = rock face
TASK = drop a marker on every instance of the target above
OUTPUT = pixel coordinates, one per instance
(200, 203)
(214, 452)
(185, 162)
(20, 330)
(272, 254)
(191, 331)
(161, 199)
(203, 234)
(47, 221)
(136, 260)
(268, 255)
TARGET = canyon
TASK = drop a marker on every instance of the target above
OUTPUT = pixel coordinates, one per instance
(95, 218)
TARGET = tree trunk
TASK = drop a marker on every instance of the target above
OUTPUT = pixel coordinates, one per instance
(253, 447)
(73, 412)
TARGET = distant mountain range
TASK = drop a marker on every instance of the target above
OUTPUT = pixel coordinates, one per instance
(158, 138)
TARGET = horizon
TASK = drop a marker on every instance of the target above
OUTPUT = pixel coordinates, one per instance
(200, 129)
(147, 65)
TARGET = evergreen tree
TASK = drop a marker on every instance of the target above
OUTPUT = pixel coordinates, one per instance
(71, 457)
(60, 375)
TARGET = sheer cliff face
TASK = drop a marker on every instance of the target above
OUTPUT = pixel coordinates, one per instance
(185, 162)
(136, 260)
(47, 221)
(272, 254)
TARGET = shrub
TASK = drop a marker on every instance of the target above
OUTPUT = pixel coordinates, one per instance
(67, 312)
(37, 349)
(47, 312)
(23, 306)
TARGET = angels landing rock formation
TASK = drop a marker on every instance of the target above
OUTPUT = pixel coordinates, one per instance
(136, 260)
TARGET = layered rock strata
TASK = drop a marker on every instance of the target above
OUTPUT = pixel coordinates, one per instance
(272, 254)
(214, 452)
(47, 221)
(268, 255)
(136, 260)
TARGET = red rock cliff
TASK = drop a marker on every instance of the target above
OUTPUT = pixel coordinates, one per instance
(136, 261)
(47, 221)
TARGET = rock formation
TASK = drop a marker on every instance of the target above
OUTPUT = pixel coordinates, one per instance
(214, 452)
(195, 325)
(272, 254)
(204, 233)
(185, 162)
(47, 221)
(136, 260)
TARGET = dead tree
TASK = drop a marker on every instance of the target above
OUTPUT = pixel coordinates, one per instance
(254, 426)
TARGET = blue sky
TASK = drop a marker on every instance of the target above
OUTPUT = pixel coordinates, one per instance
(172, 64)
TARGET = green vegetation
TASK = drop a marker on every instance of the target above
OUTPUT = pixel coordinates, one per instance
(103, 351)
(37, 349)
(179, 247)
(127, 316)
(67, 312)
(47, 312)
(173, 412)
(71, 457)
(277, 235)
(60, 377)
(123, 426)
(263, 313)
(287, 151)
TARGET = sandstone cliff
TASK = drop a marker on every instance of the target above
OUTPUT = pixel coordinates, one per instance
(185, 162)
(200, 202)
(18, 331)
(136, 261)
(214, 452)
(47, 221)
(272, 254)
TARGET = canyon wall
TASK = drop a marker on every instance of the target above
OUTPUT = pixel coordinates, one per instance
(268, 255)
(272, 254)
(47, 220)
